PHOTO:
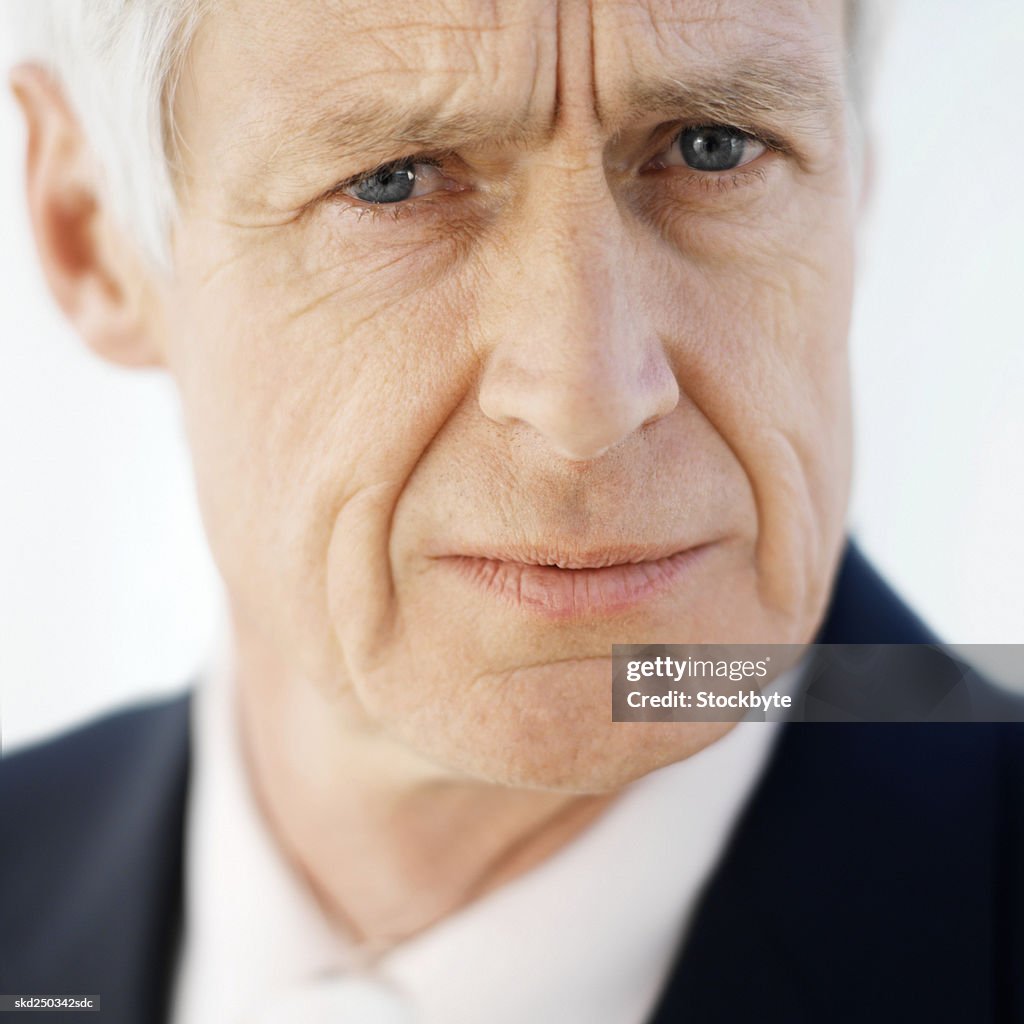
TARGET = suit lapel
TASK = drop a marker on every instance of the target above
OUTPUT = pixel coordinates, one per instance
(843, 891)
(837, 898)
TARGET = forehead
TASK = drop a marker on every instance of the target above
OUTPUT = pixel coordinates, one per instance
(428, 44)
(356, 46)
(260, 67)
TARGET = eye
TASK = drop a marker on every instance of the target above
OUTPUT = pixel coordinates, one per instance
(711, 148)
(396, 182)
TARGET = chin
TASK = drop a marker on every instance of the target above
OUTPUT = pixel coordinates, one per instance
(593, 761)
(548, 727)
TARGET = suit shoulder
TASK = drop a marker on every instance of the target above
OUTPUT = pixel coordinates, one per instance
(104, 743)
(90, 856)
(864, 609)
(65, 787)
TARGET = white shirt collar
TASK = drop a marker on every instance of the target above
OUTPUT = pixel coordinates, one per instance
(587, 936)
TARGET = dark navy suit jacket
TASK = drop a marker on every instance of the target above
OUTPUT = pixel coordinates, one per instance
(875, 875)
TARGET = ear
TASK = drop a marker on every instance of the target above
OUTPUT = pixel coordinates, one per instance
(95, 273)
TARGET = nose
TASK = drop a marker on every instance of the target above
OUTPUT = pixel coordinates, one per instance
(575, 356)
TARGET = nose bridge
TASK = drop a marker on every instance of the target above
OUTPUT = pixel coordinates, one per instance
(575, 356)
(579, 268)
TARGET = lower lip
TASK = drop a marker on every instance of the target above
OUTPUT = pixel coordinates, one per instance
(562, 594)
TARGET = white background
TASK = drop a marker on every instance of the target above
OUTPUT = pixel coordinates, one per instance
(106, 589)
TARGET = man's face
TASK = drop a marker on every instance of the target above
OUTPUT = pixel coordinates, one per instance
(586, 321)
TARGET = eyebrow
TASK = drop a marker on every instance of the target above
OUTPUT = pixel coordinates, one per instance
(370, 128)
(753, 94)
(756, 94)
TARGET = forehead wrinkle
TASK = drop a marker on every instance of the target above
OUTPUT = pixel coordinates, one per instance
(770, 64)
(370, 125)
(427, 122)
(434, 91)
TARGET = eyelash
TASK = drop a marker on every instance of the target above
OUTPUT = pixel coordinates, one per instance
(379, 211)
(708, 182)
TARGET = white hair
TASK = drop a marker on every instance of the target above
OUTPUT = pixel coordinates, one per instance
(119, 61)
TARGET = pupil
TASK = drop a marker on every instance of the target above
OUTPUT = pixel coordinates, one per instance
(712, 149)
(390, 185)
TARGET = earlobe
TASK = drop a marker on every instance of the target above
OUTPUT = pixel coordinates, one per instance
(93, 270)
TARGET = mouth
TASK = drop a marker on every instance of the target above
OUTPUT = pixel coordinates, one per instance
(590, 585)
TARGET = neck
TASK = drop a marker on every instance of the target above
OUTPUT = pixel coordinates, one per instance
(389, 843)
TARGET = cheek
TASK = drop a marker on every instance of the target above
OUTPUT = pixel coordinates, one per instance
(312, 394)
(308, 400)
(767, 363)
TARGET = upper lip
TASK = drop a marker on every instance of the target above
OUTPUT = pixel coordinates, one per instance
(570, 556)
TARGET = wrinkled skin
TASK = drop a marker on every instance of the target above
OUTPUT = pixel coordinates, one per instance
(566, 345)
(566, 342)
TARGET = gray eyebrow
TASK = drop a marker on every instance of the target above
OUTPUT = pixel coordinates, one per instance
(754, 94)
(751, 93)
(369, 126)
